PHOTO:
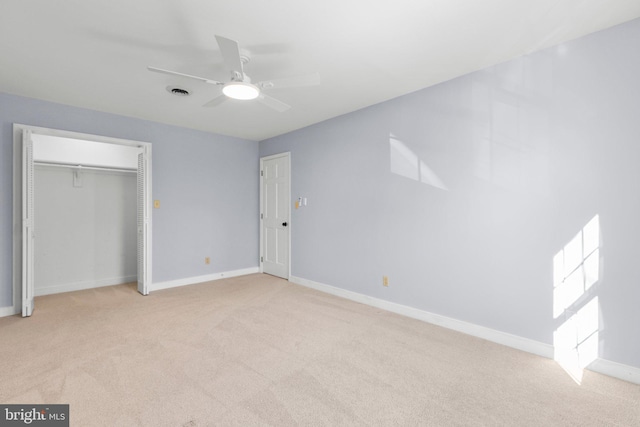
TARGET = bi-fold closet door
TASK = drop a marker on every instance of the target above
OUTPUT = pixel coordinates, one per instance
(144, 220)
(29, 225)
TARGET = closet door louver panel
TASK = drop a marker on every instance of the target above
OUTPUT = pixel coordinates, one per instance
(144, 245)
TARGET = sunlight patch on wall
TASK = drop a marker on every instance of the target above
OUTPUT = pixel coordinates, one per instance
(576, 269)
(576, 340)
(405, 162)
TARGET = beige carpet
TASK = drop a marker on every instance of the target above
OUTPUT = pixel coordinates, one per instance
(257, 350)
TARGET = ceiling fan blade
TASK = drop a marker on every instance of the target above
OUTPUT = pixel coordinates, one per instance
(273, 103)
(219, 99)
(231, 55)
(298, 81)
(189, 76)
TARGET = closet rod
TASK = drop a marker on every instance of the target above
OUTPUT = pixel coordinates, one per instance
(100, 168)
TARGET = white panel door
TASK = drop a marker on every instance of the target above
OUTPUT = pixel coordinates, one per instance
(144, 220)
(27, 224)
(275, 174)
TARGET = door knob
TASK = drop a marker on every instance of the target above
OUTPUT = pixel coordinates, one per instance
(284, 224)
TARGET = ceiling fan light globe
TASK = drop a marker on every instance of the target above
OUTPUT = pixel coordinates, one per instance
(241, 90)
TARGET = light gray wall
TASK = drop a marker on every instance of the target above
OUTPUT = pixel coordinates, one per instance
(464, 192)
(207, 185)
(87, 235)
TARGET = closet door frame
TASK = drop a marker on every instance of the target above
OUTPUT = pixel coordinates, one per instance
(18, 162)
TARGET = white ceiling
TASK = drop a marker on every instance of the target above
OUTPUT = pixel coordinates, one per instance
(94, 54)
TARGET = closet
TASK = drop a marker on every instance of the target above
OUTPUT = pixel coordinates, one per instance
(85, 209)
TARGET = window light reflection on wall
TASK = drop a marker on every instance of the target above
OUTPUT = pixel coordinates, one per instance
(576, 268)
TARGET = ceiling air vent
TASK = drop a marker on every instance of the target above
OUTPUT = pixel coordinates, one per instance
(178, 91)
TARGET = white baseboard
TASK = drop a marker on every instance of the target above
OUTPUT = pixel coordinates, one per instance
(514, 341)
(8, 311)
(79, 286)
(199, 279)
(617, 370)
(606, 367)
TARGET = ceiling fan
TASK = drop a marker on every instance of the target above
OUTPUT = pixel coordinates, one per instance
(240, 85)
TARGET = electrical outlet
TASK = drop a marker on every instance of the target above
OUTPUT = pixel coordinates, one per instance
(385, 280)
(207, 260)
(156, 204)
